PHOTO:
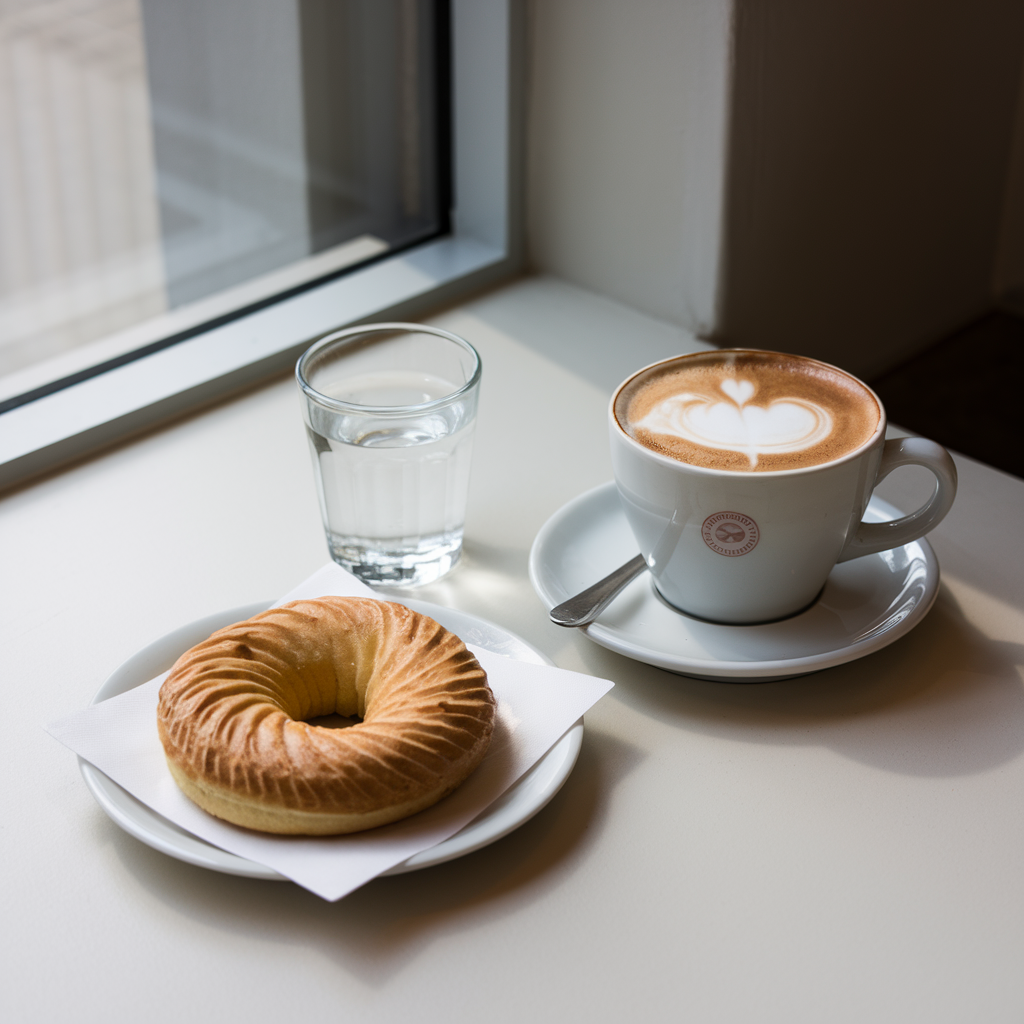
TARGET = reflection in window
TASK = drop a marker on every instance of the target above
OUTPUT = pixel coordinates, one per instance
(164, 162)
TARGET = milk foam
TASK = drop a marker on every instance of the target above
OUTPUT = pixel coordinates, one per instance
(747, 410)
(732, 424)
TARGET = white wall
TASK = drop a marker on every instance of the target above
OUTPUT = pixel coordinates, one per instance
(626, 123)
(864, 201)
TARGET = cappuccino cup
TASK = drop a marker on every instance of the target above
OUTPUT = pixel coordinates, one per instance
(745, 475)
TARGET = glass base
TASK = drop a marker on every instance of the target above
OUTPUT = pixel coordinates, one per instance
(390, 563)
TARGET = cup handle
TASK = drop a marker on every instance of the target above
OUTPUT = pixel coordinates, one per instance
(907, 451)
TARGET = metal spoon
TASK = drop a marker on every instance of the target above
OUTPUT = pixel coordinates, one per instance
(588, 604)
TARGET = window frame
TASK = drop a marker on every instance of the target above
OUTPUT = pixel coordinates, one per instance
(483, 246)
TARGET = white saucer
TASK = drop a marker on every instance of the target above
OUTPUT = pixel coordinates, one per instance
(520, 803)
(867, 602)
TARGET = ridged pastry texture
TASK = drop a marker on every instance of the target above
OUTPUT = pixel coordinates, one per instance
(231, 717)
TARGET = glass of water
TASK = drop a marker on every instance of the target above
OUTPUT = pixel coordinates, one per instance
(390, 410)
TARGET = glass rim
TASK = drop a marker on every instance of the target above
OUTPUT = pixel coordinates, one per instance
(339, 405)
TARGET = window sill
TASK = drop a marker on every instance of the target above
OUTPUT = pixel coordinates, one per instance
(86, 416)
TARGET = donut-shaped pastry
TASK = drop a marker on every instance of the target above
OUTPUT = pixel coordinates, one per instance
(231, 717)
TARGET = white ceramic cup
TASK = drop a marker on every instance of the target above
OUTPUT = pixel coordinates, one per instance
(747, 547)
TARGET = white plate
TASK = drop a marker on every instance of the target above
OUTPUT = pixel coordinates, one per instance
(867, 602)
(522, 801)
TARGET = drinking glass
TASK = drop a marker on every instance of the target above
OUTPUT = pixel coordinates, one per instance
(390, 410)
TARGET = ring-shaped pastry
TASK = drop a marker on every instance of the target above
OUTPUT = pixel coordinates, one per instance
(232, 713)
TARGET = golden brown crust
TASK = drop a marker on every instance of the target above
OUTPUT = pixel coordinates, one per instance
(231, 712)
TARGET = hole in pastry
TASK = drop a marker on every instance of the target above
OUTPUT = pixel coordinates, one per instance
(334, 721)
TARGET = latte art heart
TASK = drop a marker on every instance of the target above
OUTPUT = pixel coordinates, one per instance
(733, 424)
(747, 411)
(740, 391)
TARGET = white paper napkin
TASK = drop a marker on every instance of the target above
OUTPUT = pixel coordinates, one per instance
(537, 704)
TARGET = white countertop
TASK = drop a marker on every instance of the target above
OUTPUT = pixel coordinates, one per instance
(845, 847)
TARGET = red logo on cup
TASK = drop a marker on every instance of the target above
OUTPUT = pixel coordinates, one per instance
(730, 533)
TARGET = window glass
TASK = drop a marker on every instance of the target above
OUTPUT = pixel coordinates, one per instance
(167, 163)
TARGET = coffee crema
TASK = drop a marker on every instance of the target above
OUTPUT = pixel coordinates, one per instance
(747, 411)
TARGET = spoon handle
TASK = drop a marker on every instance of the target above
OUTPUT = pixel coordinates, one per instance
(588, 604)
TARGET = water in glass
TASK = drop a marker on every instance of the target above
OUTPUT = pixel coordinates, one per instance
(393, 489)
